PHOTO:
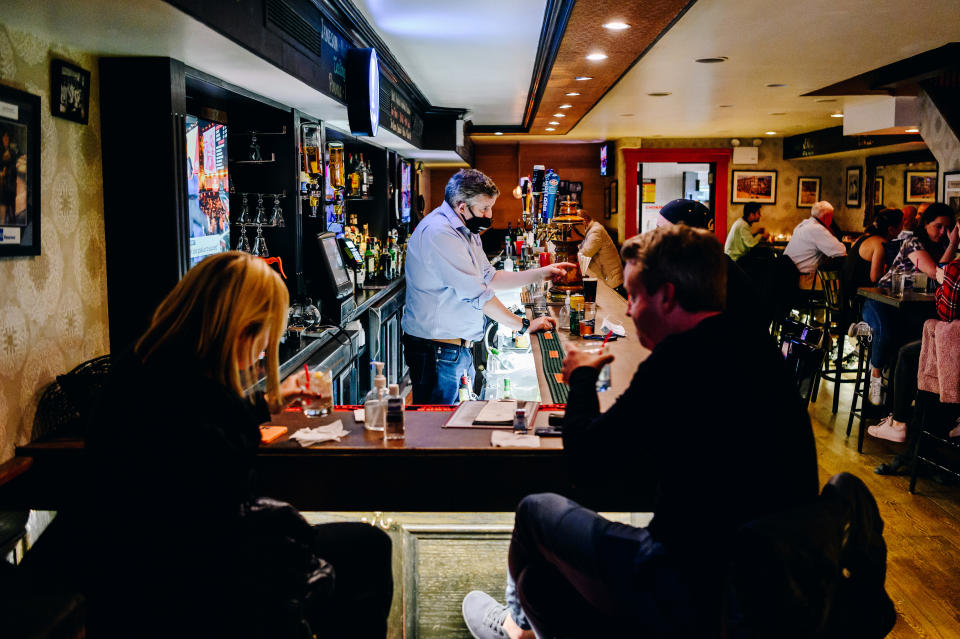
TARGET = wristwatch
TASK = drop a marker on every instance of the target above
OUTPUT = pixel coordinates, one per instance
(526, 325)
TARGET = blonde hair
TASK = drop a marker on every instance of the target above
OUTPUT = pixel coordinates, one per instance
(226, 301)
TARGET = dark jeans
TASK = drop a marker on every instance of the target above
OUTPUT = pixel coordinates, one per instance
(905, 381)
(436, 369)
(363, 581)
(580, 575)
(882, 319)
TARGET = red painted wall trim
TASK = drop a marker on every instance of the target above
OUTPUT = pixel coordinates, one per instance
(632, 157)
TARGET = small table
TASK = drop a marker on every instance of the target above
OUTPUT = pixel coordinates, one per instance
(910, 298)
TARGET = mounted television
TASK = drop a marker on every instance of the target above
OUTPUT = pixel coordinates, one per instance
(406, 192)
(608, 154)
(208, 188)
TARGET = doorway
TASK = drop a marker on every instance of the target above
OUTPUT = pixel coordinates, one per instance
(718, 161)
(662, 182)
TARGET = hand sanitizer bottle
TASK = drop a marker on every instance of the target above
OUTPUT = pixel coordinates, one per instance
(376, 401)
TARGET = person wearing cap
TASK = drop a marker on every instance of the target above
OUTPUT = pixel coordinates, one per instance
(743, 298)
(451, 289)
(741, 239)
(604, 257)
(574, 573)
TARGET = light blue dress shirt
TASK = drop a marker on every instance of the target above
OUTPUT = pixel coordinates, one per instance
(448, 279)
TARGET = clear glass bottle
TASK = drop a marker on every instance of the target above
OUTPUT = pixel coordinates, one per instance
(375, 403)
(563, 317)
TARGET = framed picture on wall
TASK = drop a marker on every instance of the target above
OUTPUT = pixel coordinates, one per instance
(70, 91)
(951, 189)
(808, 191)
(854, 186)
(612, 207)
(919, 186)
(754, 186)
(878, 191)
(19, 173)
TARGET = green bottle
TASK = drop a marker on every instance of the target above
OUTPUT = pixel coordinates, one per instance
(507, 393)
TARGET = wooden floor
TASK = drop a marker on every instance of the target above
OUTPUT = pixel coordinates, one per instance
(922, 530)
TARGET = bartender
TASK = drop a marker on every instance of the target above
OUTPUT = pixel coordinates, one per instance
(450, 289)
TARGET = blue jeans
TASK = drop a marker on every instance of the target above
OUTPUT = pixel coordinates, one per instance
(881, 319)
(436, 369)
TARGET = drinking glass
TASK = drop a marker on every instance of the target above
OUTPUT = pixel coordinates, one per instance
(276, 214)
(244, 210)
(254, 148)
(590, 289)
(244, 240)
(260, 213)
(320, 382)
(588, 321)
(603, 379)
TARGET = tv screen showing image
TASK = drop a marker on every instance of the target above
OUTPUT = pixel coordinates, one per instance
(208, 188)
(603, 160)
(406, 193)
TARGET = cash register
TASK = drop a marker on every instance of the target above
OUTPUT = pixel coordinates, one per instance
(336, 295)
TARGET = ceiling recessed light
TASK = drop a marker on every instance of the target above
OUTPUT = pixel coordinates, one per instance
(659, 94)
(550, 128)
(777, 113)
(573, 94)
(774, 85)
(597, 56)
(719, 58)
(771, 132)
(559, 115)
(616, 26)
(554, 122)
(725, 106)
(581, 78)
(498, 133)
(836, 115)
(913, 130)
(827, 100)
(565, 106)
(626, 115)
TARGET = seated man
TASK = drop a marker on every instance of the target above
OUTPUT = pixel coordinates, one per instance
(741, 239)
(674, 434)
(812, 241)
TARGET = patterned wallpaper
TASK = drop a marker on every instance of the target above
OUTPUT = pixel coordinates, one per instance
(53, 307)
(939, 137)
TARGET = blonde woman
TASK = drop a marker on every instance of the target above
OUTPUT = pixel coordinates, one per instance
(184, 544)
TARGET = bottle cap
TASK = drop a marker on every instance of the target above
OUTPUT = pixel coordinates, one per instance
(394, 389)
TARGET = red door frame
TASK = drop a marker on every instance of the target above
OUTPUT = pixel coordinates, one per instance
(722, 157)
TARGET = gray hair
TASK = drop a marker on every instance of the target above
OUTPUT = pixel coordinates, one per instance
(820, 209)
(467, 185)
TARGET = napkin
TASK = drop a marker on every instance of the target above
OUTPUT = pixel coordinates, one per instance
(504, 439)
(610, 325)
(330, 432)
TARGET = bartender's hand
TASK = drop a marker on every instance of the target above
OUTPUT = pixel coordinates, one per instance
(576, 358)
(555, 270)
(544, 323)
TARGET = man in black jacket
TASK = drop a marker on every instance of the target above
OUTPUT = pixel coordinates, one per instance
(683, 430)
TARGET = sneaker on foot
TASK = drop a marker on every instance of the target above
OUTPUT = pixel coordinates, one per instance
(876, 386)
(858, 329)
(886, 430)
(484, 616)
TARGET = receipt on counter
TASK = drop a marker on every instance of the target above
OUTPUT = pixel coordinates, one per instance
(610, 325)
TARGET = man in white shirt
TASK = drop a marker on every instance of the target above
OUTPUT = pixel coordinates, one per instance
(812, 241)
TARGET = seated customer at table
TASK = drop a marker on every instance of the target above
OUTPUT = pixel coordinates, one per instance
(865, 263)
(812, 242)
(181, 545)
(894, 427)
(935, 240)
(740, 239)
(578, 574)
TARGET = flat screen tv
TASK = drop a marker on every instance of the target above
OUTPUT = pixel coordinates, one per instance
(208, 188)
(406, 192)
(607, 155)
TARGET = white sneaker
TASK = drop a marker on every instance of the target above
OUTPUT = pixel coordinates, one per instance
(876, 386)
(858, 329)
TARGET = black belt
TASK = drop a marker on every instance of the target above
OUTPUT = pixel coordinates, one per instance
(453, 341)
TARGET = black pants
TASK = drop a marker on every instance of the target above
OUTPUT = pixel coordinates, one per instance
(580, 575)
(363, 581)
(905, 381)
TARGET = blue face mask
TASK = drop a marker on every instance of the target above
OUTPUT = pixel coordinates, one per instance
(476, 224)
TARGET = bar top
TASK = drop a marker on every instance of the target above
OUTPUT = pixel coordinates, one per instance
(627, 350)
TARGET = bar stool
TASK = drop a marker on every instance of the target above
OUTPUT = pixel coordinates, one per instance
(833, 369)
(861, 384)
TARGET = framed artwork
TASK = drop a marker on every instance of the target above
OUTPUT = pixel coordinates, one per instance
(808, 191)
(854, 186)
(19, 173)
(612, 206)
(69, 91)
(754, 186)
(878, 191)
(951, 189)
(919, 186)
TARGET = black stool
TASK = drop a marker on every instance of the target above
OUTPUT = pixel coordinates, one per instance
(861, 386)
(927, 404)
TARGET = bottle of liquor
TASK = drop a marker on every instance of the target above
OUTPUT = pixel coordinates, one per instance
(507, 393)
(353, 186)
(364, 177)
(370, 261)
(463, 393)
(509, 237)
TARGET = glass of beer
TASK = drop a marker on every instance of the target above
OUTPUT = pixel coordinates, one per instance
(589, 319)
(590, 289)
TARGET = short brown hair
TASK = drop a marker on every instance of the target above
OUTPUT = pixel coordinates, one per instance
(468, 184)
(690, 259)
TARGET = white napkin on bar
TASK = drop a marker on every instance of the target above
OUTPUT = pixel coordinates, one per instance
(509, 439)
(610, 325)
(329, 432)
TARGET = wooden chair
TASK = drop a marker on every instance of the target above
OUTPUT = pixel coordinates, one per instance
(835, 323)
